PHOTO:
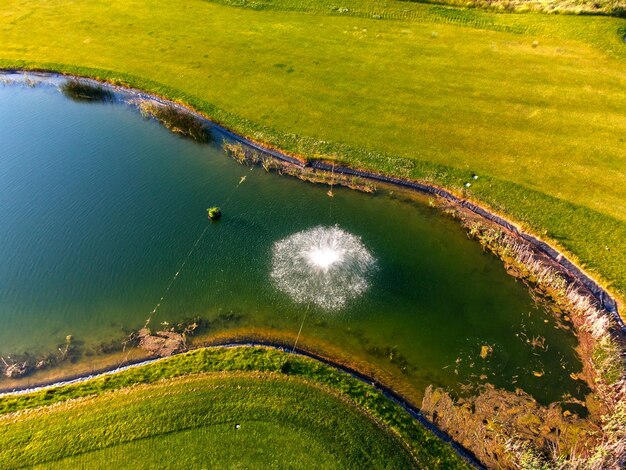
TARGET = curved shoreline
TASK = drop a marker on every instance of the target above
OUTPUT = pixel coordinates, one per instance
(576, 274)
(602, 296)
(415, 413)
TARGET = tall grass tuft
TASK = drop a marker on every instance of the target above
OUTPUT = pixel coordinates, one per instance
(176, 120)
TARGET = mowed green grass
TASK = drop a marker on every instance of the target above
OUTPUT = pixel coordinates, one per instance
(413, 90)
(190, 423)
(182, 412)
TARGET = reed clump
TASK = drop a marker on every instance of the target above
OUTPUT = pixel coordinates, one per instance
(250, 157)
(176, 120)
(79, 90)
(236, 150)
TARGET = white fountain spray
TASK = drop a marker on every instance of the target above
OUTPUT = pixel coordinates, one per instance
(323, 266)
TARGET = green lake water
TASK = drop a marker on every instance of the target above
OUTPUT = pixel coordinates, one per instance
(99, 207)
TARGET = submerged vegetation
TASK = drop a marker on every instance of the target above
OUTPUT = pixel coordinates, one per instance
(16, 366)
(599, 442)
(125, 410)
(179, 121)
(74, 355)
(79, 90)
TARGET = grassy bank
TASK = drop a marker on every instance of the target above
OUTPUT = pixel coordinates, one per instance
(533, 104)
(290, 408)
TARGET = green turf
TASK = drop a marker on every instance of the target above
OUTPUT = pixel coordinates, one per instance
(534, 104)
(190, 422)
(285, 404)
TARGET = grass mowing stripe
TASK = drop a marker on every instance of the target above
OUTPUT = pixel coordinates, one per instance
(201, 448)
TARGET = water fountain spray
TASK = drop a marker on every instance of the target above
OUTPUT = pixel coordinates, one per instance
(322, 266)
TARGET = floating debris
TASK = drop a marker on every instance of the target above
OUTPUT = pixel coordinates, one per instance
(17, 370)
(538, 342)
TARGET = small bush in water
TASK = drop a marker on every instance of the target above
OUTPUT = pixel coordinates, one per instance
(214, 213)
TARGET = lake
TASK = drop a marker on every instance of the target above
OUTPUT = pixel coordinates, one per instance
(100, 207)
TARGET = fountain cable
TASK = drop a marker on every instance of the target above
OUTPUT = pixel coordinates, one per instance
(169, 286)
(171, 283)
(167, 289)
(301, 325)
(331, 195)
(193, 248)
(241, 180)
